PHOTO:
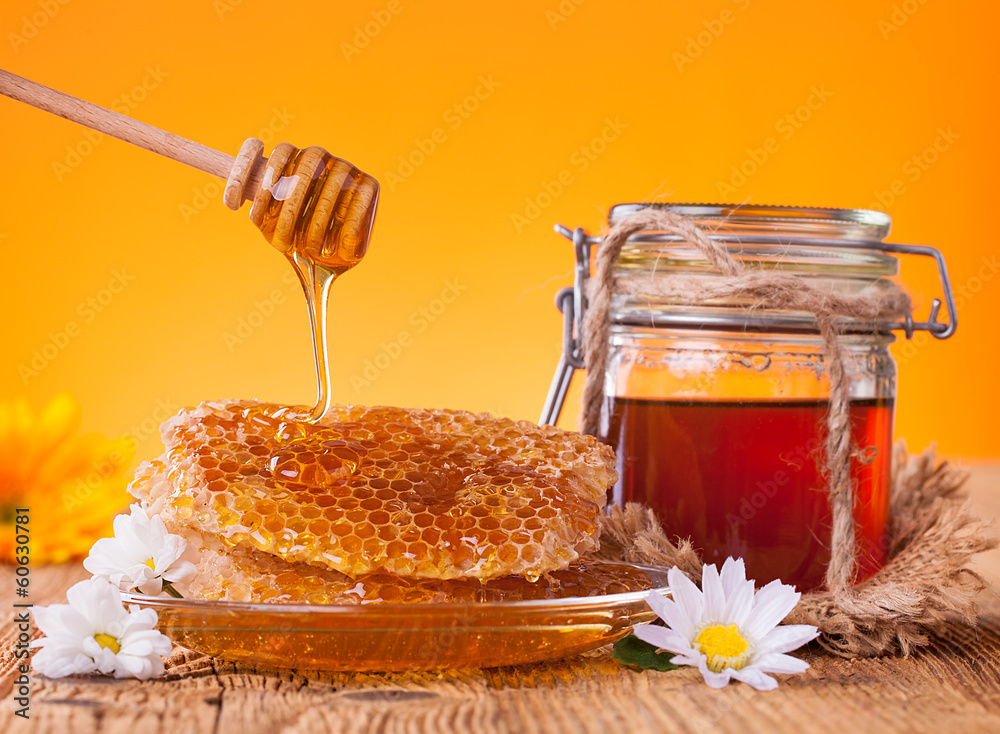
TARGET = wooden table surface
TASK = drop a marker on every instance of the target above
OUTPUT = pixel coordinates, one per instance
(953, 685)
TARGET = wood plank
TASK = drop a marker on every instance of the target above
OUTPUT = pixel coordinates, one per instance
(952, 685)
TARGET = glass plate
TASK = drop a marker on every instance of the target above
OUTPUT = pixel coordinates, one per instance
(398, 637)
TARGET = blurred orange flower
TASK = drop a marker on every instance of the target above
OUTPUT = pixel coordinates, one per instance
(72, 485)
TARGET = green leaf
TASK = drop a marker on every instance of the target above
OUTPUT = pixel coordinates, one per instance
(630, 650)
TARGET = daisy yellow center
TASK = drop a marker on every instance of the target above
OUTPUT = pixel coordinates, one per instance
(151, 564)
(724, 647)
(107, 641)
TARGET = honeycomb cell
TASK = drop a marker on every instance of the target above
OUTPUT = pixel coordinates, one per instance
(251, 476)
(251, 576)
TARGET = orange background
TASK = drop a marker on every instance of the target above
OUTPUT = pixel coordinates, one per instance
(688, 88)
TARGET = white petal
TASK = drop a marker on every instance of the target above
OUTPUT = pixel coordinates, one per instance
(109, 614)
(738, 590)
(97, 600)
(156, 525)
(662, 638)
(67, 622)
(786, 638)
(179, 570)
(671, 613)
(777, 663)
(714, 680)
(715, 597)
(687, 596)
(104, 657)
(130, 538)
(151, 587)
(770, 605)
(55, 663)
(101, 559)
(142, 642)
(165, 554)
(141, 619)
(61, 621)
(734, 571)
(145, 643)
(756, 678)
(116, 628)
(694, 659)
(133, 576)
(141, 667)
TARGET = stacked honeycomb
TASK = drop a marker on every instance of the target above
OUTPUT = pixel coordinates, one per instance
(419, 494)
(260, 577)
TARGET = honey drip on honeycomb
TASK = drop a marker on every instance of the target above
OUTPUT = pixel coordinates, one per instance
(318, 211)
(436, 494)
(251, 576)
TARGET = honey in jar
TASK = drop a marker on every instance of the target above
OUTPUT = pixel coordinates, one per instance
(760, 492)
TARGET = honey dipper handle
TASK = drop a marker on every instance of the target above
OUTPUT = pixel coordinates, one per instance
(117, 125)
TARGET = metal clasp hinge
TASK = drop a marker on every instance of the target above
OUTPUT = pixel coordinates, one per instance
(572, 303)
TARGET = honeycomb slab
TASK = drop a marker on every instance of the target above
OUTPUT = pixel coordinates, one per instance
(435, 494)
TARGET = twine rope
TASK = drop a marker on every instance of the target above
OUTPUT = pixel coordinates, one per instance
(764, 289)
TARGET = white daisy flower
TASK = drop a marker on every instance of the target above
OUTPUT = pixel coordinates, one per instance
(142, 555)
(725, 629)
(95, 633)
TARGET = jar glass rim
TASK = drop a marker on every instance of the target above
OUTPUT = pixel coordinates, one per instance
(843, 243)
(864, 224)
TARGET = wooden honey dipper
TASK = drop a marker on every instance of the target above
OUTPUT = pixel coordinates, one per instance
(308, 204)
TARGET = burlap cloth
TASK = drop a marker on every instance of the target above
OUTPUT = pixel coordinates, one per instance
(932, 536)
(931, 532)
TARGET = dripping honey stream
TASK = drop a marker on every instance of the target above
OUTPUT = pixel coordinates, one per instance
(318, 210)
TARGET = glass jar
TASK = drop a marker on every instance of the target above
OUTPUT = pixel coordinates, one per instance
(717, 412)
